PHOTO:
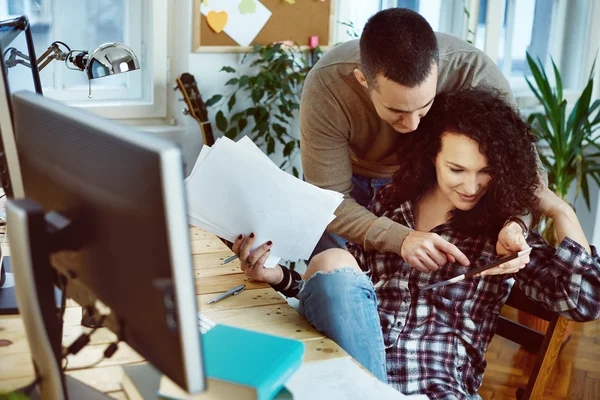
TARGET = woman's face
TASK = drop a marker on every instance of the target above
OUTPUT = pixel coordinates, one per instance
(462, 171)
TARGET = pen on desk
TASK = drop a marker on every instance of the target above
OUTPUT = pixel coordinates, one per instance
(230, 259)
(231, 292)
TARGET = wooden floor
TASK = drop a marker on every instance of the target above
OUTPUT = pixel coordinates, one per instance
(576, 374)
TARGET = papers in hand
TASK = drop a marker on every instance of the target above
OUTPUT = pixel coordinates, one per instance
(340, 378)
(235, 188)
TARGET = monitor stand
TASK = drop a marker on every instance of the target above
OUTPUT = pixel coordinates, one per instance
(33, 240)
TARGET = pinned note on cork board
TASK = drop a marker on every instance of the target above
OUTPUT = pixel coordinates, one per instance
(235, 25)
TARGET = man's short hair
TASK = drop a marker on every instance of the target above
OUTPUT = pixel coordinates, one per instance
(399, 44)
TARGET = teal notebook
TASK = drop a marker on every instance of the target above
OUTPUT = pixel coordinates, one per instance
(245, 363)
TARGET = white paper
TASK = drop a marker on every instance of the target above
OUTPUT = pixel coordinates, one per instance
(340, 378)
(235, 188)
(242, 28)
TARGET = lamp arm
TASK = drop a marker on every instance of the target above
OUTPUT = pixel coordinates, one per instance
(12, 59)
(52, 53)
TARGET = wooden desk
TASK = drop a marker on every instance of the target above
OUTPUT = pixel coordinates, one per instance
(258, 308)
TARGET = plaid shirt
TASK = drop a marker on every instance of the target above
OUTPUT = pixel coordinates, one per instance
(436, 340)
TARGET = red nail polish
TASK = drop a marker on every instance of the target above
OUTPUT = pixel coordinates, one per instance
(269, 243)
(252, 235)
(241, 236)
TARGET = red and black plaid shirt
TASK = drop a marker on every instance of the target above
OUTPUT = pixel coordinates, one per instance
(436, 340)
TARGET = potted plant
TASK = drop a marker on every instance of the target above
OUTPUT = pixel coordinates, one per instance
(274, 95)
(571, 156)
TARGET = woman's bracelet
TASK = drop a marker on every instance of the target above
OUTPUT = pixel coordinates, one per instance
(288, 286)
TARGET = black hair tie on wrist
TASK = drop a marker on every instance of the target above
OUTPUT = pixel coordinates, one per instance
(519, 222)
(291, 279)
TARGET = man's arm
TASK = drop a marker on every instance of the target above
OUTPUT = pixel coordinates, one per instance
(326, 163)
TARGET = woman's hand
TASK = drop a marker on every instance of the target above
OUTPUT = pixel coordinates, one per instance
(252, 262)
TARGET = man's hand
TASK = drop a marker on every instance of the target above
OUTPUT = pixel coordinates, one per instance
(510, 240)
(427, 251)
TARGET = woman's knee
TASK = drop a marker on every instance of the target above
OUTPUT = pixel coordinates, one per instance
(331, 260)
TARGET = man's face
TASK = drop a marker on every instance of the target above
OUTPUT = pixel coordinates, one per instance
(400, 106)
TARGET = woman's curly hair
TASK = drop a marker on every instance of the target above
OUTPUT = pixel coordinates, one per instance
(504, 139)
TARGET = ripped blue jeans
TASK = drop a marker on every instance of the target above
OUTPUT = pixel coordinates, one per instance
(342, 305)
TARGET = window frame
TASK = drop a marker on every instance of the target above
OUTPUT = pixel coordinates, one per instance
(152, 102)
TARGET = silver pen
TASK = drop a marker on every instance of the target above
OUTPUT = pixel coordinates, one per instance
(230, 259)
(231, 292)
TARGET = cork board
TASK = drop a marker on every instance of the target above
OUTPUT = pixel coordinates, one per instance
(295, 22)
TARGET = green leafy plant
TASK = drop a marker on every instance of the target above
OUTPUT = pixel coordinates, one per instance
(573, 149)
(469, 34)
(274, 95)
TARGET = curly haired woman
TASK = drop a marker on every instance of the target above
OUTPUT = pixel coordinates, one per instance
(471, 168)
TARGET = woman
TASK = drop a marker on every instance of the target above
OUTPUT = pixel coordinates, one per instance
(462, 180)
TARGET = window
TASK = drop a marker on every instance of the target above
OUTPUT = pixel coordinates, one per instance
(506, 29)
(521, 26)
(85, 25)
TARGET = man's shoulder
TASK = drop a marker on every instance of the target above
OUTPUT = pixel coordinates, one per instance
(463, 65)
(452, 47)
(341, 60)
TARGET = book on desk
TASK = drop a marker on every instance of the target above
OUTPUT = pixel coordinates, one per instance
(239, 364)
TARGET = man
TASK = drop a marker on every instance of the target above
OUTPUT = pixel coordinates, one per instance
(357, 103)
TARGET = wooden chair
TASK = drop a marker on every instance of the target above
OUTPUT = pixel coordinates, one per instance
(546, 346)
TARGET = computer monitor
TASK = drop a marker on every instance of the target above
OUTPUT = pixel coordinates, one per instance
(115, 203)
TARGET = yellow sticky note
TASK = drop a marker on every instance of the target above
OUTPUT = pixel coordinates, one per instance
(217, 20)
(205, 2)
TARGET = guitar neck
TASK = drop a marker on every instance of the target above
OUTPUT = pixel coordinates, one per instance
(186, 83)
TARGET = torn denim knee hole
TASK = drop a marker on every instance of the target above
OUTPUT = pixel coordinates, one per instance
(345, 270)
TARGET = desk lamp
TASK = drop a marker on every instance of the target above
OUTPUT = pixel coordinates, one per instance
(108, 59)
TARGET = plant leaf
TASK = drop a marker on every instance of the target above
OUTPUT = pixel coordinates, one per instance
(242, 123)
(243, 80)
(289, 147)
(270, 146)
(231, 102)
(213, 100)
(228, 69)
(232, 133)
(221, 121)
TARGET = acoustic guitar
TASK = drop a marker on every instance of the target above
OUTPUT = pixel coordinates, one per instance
(186, 83)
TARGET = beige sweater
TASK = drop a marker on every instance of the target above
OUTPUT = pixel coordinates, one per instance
(341, 133)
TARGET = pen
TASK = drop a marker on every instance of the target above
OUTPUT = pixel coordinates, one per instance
(230, 259)
(231, 292)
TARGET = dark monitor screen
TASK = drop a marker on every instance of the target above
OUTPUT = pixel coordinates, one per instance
(14, 34)
(124, 194)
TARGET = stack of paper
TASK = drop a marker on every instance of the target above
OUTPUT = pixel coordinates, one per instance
(235, 189)
(340, 378)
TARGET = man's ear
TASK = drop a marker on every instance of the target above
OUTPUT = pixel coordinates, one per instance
(360, 77)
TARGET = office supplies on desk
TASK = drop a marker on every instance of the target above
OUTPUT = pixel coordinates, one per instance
(476, 271)
(230, 259)
(234, 188)
(231, 292)
(242, 364)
